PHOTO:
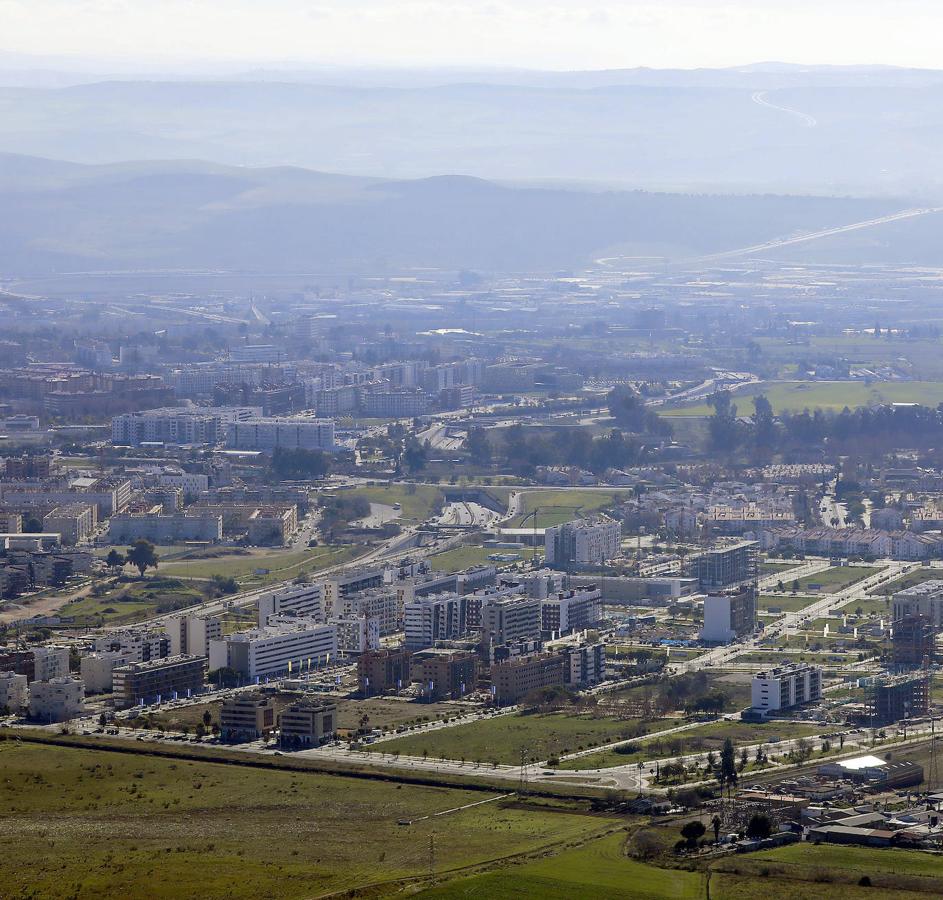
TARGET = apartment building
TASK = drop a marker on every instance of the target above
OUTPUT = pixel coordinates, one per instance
(585, 665)
(74, 522)
(271, 433)
(178, 425)
(97, 670)
(729, 615)
(444, 673)
(505, 619)
(384, 670)
(165, 529)
(190, 635)
(725, 565)
(429, 620)
(582, 543)
(56, 700)
(925, 599)
(786, 687)
(356, 634)
(50, 662)
(14, 692)
(297, 599)
(515, 678)
(569, 611)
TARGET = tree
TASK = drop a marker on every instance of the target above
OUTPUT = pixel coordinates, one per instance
(478, 446)
(298, 463)
(415, 456)
(715, 824)
(759, 827)
(692, 832)
(102, 720)
(142, 556)
(115, 560)
(207, 718)
(727, 770)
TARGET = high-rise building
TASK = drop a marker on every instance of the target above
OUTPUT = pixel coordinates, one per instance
(429, 620)
(582, 543)
(726, 565)
(505, 619)
(729, 615)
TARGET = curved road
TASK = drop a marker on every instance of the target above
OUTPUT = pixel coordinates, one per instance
(807, 120)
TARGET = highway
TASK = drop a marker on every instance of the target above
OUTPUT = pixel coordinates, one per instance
(760, 98)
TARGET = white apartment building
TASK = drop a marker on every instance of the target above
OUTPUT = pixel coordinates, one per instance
(786, 686)
(505, 619)
(96, 670)
(191, 635)
(286, 646)
(191, 483)
(573, 610)
(582, 543)
(378, 604)
(436, 618)
(136, 645)
(728, 616)
(925, 599)
(272, 432)
(56, 700)
(50, 662)
(14, 692)
(178, 425)
(357, 634)
(296, 599)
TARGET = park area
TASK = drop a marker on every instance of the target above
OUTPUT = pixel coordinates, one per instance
(83, 823)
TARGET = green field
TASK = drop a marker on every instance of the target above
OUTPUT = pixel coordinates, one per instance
(795, 396)
(776, 568)
(694, 740)
(560, 506)
(500, 740)
(835, 579)
(282, 564)
(785, 602)
(468, 555)
(598, 870)
(95, 824)
(418, 502)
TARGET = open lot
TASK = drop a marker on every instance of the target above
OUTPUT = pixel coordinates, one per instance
(784, 602)
(916, 576)
(243, 564)
(468, 555)
(96, 824)
(695, 740)
(501, 740)
(131, 601)
(556, 507)
(835, 579)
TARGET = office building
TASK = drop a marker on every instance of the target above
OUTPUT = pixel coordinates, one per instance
(725, 565)
(444, 673)
(517, 677)
(729, 615)
(287, 645)
(382, 671)
(160, 679)
(569, 611)
(14, 693)
(786, 686)
(56, 700)
(246, 717)
(307, 723)
(574, 545)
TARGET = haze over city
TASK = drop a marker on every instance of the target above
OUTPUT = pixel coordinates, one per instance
(463, 449)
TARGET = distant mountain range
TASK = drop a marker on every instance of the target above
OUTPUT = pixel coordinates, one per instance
(60, 216)
(863, 131)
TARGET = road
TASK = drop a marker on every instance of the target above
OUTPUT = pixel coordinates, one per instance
(808, 121)
(778, 243)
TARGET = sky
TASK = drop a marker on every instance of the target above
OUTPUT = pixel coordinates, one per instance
(545, 34)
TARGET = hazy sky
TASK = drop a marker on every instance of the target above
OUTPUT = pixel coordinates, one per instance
(526, 33)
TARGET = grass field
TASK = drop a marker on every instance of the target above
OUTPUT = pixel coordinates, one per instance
(93, 824)
(785, 602)
(694, 740)
(418, 502)
(501, 739)
(835, 579)
(473, 555)
(795, 396)
(598, 870)
(282, 564)
(131, 601)
(562, 506)
(776, 568)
